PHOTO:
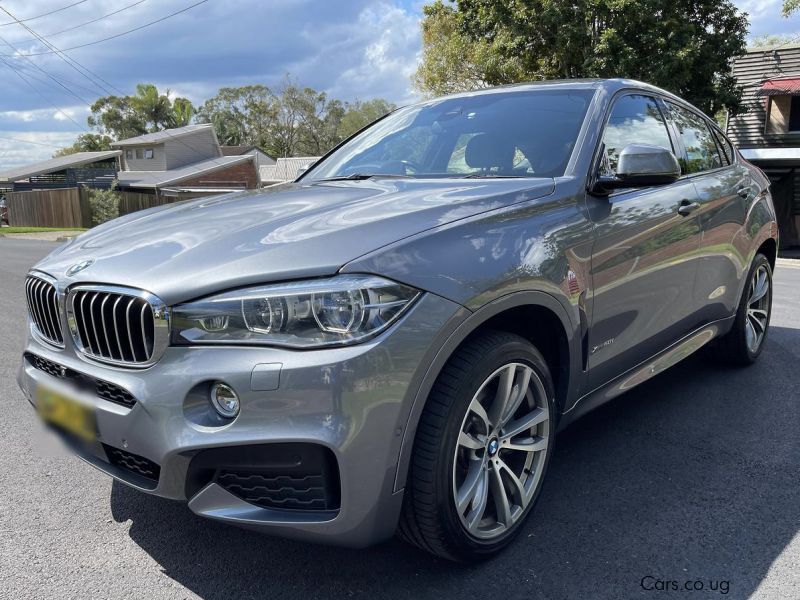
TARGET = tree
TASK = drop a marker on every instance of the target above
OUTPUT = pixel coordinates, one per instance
(684, 46)
(790, 7)
(359, 114)
(86, 142)
(146, 111)
(771, 39)
(243, 116)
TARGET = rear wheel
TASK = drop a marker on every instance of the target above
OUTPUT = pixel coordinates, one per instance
(745, 341)
(481, 449)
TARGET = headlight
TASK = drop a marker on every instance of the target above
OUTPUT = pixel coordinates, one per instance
(341, 310)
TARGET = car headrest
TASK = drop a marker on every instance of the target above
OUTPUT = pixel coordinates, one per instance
(489, 150)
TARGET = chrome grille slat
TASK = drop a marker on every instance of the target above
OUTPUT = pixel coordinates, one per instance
(119, 326)
(42, 297)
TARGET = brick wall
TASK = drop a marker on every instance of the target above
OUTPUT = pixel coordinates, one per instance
(243, 174)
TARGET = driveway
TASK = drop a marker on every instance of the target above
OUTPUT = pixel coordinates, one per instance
(693, 476)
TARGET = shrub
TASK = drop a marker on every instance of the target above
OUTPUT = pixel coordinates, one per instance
(104, 204)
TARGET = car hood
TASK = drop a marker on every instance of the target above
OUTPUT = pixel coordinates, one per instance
(189, 249)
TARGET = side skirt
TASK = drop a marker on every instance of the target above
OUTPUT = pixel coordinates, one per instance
(647, 369)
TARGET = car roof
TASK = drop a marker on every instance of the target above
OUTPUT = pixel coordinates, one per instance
(611, 85)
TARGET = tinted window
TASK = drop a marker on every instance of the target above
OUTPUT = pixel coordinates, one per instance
(634, 119)
(702, 153)
(510, 134)
(725, 146)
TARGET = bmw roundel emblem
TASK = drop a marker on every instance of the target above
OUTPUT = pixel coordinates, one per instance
(78, 267)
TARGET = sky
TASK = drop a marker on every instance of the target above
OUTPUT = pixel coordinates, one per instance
(354, 49)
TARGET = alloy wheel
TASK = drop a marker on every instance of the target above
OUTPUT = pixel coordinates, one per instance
(758, 306)
(501, 451)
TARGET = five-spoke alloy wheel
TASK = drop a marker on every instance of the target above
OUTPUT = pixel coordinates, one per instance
(499, 457)
(481, 450)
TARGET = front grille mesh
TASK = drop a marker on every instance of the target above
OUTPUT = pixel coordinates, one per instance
(102, 389)
(133, 463)
(43, 308)
(278, 491)
(114, 326)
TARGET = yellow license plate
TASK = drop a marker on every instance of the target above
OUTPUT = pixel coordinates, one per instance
(66, 413)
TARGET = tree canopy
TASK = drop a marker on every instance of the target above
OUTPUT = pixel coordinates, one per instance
(291, 121)
(147, 111)
(684, 46)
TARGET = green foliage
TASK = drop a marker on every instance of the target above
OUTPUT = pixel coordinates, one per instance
(86, 142)
(684, 46)
(145, 112)
(104, 204)
(790, 7)
(769, 40)
(294, 121)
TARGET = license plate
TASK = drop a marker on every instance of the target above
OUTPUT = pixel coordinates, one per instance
(66, 413)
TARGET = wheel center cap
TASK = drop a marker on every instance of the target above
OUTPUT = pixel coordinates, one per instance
(492, 447)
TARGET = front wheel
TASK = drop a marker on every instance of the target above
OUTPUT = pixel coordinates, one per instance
(481, 450)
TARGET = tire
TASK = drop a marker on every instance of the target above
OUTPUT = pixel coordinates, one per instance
(737, 347)
(455, 445)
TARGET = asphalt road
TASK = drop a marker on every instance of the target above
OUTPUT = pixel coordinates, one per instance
(693, 476)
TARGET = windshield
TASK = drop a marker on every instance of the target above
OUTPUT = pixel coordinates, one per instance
(499, 134)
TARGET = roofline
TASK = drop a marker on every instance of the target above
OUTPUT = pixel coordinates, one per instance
(211, 169)
(198, 127)
(775, 47)
(107, 155)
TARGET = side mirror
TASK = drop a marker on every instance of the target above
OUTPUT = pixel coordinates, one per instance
(641, 165)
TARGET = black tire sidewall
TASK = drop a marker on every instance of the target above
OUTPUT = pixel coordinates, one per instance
(740, 326)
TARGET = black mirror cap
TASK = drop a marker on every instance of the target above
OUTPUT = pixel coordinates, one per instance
(641, 165)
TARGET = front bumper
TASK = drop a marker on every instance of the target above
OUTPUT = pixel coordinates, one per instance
(353, 401)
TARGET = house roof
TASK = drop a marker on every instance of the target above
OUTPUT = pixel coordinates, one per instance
(157, 179)
(285, 169)
(52, 165)
(161, 136)
(779, 86)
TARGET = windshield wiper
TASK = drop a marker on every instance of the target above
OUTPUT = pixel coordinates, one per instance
(491, 176)
(361, 176)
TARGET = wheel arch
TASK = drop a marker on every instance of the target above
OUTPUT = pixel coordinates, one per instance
(544, 321)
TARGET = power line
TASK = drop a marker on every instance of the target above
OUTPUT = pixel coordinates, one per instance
(105, 16)
(73, 64)
(44, 14)
(2, 137)
(45, 98)
(38, 68)
(183, 10)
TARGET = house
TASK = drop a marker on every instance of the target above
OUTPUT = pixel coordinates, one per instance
(91, 169)
(285, 169)
(768, 132)
(183, 162)
(262, 158)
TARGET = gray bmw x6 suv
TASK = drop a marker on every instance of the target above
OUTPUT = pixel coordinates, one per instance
(391, 342)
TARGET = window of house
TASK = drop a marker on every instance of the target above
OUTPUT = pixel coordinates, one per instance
(635, 119)
(702, 153)
(783, 114)
(129, 154)
(148, 153)
(139, 153)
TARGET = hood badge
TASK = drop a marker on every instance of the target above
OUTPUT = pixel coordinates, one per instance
(78, 267)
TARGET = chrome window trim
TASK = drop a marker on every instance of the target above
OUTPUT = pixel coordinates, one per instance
(160, 324)
(38, 335)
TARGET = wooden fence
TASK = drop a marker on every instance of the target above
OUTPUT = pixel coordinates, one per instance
(69, 207)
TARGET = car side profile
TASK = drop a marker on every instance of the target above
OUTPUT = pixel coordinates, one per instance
(391, 342)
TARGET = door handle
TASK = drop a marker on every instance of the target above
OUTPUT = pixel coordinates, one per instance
(687, 207)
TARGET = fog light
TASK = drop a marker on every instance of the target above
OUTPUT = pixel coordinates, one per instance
(225, 400)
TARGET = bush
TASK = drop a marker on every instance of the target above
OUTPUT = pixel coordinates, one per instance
(104, 204)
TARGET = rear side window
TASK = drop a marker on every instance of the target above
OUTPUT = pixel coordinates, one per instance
(634, 119)
(702, 153)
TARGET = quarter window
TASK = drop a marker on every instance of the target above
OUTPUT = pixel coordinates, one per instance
(635, 119)
(702, 153)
